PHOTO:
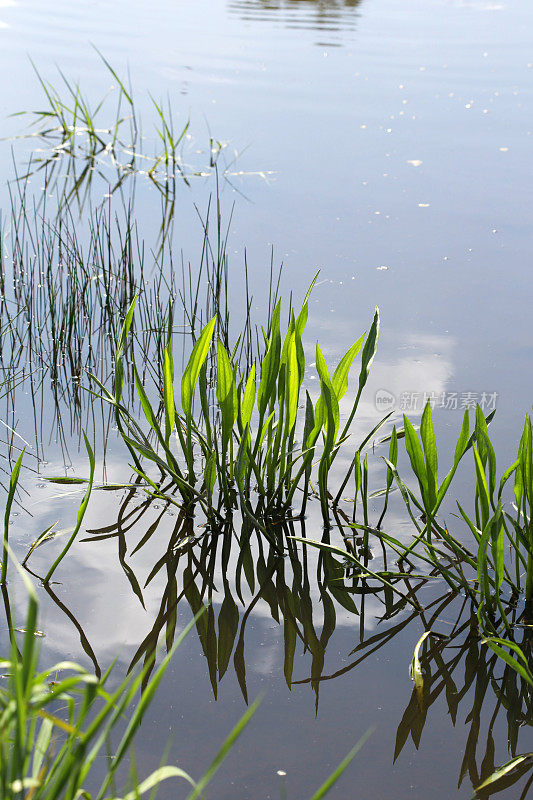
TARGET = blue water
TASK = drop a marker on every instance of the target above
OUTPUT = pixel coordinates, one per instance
(388, 144)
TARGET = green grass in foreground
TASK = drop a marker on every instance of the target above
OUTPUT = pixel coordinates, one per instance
(56, 728)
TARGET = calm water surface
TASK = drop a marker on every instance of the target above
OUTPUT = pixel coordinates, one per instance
(389, 145)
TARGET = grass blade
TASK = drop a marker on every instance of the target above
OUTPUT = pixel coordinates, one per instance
(9, 502)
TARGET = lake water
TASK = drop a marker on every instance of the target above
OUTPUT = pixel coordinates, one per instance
(387, 144)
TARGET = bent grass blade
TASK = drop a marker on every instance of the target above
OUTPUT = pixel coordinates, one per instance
(9, 502)
(81, 513)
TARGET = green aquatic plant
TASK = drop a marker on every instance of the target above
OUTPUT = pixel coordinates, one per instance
(87, 137)
(479, 569)
(253, 451)
(65, 289)
(497, 583)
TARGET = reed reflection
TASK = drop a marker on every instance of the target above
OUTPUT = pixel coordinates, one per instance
(332, 18)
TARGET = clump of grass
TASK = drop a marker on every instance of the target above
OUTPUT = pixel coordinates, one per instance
(86, 137)
(493, 530)
(65, 290)
(478, 570)
(247, 454)
(55, 724)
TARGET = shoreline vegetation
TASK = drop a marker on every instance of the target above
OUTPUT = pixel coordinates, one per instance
(235, 446)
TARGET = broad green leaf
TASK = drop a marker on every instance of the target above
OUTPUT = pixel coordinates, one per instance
(505, 769)
(367, 356)
(301, 320)
(519, 664)
(482, 438)
(226, 394)
(210, 473)
(416, 458)
(369, 350)
(121, 344)
(248, 400)
(168, 393)
(462, 441)
(157, 777)
(300, 356)
(271, 363)
(146, 405)
(482, 488)
(462, 445)
(309, 420)
(393, 455)
(41, 745)
(327, 402)
(427, 434)
(482, 563)
(194, 365)
(286, 341)
(498, 550)
(205, 405)
(264, 429)
(505, 477)
(243, 458)
(340, 376)
(292, 383)
(416, 671)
